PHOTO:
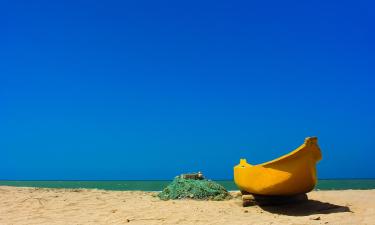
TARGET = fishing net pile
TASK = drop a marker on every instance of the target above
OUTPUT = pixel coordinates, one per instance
(194, 186)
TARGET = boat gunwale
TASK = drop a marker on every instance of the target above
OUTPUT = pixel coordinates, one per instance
(288, 155)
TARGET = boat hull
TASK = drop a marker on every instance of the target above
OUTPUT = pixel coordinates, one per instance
(294, 173)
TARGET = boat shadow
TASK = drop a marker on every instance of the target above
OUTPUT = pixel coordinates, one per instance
(306, 208)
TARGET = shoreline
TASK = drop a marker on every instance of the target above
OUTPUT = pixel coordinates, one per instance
(143, 185)
(118, 190)
(26, 205)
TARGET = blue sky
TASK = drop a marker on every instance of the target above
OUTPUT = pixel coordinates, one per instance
(149, 90)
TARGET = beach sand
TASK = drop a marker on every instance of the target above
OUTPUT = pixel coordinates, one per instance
(84, 206)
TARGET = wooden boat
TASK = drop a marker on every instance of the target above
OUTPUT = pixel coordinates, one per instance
(291, 174)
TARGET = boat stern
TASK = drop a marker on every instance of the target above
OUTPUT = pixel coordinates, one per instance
(241, 174)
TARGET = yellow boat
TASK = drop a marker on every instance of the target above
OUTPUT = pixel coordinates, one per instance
(291, 174)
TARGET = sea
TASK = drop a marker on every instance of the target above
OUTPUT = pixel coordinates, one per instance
(158, 185)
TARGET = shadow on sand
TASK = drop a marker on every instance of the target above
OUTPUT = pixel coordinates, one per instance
(306, 208)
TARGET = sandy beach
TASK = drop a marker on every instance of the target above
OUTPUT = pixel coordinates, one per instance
(85, 206)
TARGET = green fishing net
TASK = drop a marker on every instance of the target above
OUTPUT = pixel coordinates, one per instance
(202, 189)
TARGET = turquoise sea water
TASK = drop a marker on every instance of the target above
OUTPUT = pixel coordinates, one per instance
(155, 185)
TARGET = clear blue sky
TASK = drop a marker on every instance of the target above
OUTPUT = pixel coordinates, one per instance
(146, 90)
